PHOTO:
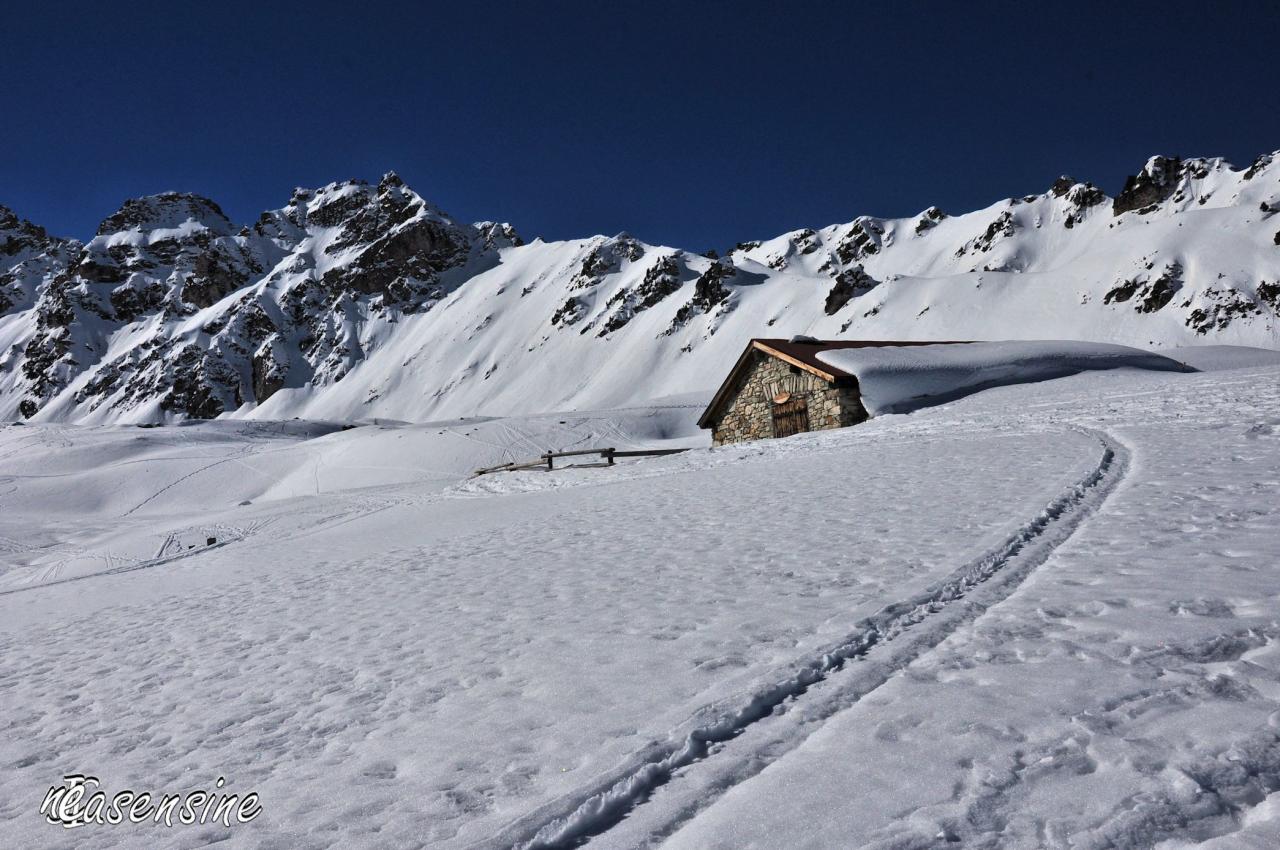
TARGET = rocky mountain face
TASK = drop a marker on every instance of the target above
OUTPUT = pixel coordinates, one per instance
(171, 310)
(29, 258)
(358, 300)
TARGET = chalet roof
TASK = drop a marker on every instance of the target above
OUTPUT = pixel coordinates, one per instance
(802, 353)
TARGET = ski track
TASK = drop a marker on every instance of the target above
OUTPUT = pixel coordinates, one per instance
(48, 577)
(171, 485)
(575, 820)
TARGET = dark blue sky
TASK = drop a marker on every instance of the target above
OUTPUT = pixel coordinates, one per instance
(696, 125)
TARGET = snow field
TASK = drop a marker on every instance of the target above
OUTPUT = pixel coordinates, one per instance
(1125, 696)
(476, 658)
(1039, 616)
(78, 501)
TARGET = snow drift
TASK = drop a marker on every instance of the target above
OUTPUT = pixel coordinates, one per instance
(898, 379)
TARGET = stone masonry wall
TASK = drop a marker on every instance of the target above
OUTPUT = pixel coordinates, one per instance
(748, 415)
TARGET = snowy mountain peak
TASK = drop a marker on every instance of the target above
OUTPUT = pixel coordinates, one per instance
(927, 219)
(1259, 165)
(20, 238)
(29, 259)
(11, 227)
(1061, 185)
(166, 211)
(359, 299)
(1166, 178)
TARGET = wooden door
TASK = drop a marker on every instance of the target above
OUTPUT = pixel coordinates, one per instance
(790, 417)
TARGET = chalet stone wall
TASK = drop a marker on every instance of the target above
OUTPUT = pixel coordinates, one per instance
(748, 414)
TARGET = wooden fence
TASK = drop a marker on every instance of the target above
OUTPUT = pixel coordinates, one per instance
(547, 459)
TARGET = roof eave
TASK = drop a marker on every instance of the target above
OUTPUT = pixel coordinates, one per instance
(829, 377)
(704, 421)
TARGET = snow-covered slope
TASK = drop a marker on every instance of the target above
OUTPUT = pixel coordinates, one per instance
(119, 498)
(1041, 616)
(356, 301)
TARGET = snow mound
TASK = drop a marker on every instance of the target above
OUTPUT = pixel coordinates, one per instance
(1217, 358)
(898, 379)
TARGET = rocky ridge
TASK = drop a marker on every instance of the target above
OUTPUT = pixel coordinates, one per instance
(364, 299)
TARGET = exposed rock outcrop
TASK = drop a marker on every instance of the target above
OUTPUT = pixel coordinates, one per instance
(709, 292)
(861, 241)
(1002, 227)
(1149, 295)
(928, 219)
(663, 278)
(850, 283)
(1162, 178)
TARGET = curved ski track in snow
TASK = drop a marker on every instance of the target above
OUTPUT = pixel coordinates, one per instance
(901, 632)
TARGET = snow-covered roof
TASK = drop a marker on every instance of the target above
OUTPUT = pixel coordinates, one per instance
(899, 376)
(898, 379)
(804, 353)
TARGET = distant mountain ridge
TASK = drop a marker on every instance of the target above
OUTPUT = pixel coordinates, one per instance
(357, 300)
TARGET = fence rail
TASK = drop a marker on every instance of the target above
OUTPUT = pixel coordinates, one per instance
(547, 459)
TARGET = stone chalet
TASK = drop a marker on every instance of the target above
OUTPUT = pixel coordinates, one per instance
(779, 387)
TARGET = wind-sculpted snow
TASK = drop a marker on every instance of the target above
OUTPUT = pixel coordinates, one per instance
(355, 301)
(898, 379)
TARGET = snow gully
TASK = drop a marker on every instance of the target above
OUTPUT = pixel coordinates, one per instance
(929, 616)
